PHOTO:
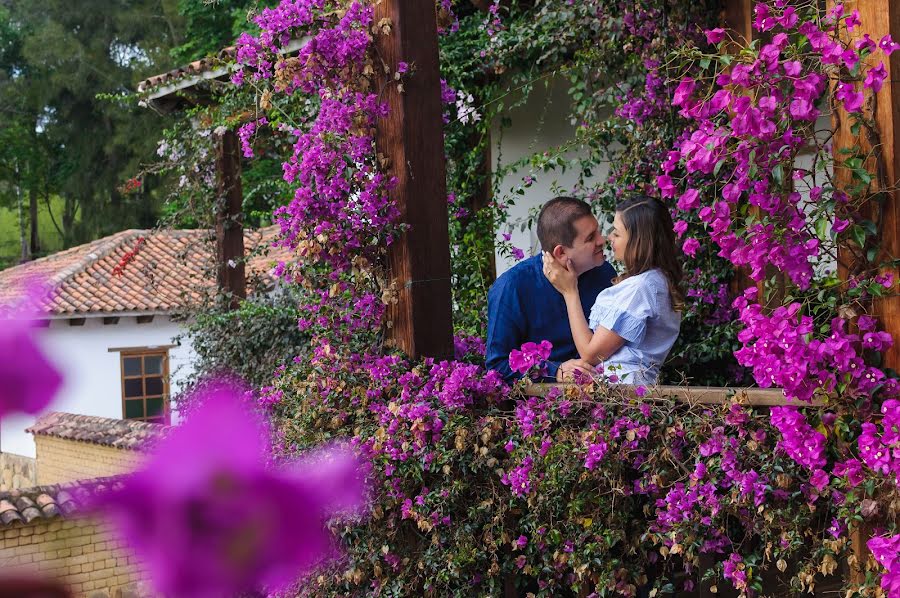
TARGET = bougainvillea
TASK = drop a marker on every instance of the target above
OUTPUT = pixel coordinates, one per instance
(579, 490)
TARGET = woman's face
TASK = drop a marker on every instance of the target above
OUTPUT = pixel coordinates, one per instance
(618, 238)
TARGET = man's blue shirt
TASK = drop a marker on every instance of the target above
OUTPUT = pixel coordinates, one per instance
(524, 307)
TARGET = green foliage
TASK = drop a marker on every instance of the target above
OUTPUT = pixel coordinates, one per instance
(57, 58)
(249, 342)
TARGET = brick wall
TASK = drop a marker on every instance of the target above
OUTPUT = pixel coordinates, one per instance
(60, 460)
(80, 553)
(16, 472)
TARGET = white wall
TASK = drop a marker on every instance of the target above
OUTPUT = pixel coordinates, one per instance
(540, 124)
(91, 374)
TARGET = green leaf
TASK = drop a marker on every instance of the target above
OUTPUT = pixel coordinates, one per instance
(858, 234)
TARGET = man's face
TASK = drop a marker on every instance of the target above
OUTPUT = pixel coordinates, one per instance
(586, 251)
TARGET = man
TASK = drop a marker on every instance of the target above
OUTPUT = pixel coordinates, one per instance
(524, 307)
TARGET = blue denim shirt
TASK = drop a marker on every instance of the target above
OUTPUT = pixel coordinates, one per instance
(524, 307)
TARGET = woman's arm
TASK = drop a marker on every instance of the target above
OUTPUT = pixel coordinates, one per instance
(595, 346)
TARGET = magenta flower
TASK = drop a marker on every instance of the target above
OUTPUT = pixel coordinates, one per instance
(886, 551)
(714, 36)
(875, 78)
(866, 44)
(852, 99)
(684, 91)
(529, 355)
(207, 517)
(28, 381)
(888, 45)
(690, 246)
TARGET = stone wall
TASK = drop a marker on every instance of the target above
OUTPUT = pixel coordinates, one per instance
(61, 460)
(80, 553)
(16, 472)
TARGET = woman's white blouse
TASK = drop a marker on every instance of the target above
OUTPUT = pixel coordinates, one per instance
(639, 310)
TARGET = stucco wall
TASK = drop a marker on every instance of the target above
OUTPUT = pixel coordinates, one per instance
(60, 461)
(80, 553)
(541, 123)
(92, 375)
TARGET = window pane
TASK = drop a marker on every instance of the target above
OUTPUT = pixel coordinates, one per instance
(134, 409)
(154, 407)
(153, 364)
(131, 366)
(134, 388)
(156, 420)
(154, 386)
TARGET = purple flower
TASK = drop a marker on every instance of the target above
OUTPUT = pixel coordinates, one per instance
(529, 355)
(690, 246)
(886, 550)
(517, 253)
(207, 517)
(875, 78)
(888, 45)
(714, 36)
(28, 381)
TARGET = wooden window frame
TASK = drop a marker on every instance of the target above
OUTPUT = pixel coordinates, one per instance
(164, 373)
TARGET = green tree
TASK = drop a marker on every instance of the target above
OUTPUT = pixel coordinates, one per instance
(61, 64)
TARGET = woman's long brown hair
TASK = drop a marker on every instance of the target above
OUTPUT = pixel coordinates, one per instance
(651, 243)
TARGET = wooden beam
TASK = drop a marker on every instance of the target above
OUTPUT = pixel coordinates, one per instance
(702, 395)
(229, 219)
(411, 138)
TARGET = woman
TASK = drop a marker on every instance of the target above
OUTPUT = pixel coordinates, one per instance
(634, 323)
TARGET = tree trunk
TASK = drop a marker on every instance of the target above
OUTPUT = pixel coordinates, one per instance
(33, 213)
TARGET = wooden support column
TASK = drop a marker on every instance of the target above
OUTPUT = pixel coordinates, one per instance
(411, 138)
(229, 219)
(879, 18)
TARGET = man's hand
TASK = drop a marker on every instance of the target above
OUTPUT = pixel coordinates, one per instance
(566, 370)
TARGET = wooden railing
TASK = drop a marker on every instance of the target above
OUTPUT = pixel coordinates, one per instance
(703, 395)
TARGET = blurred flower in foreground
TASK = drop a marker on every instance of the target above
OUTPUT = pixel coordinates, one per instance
(206, 516)
(28, 381)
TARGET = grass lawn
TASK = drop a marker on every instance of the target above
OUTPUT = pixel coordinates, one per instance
(50, 240)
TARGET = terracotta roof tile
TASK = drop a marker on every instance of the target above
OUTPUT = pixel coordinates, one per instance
(172, 269)
(27, 505)
(195, 68)
(117, 433)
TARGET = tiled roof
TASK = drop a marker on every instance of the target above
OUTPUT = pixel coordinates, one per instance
(117, 433)
(172, 269)
(48, 502)
(193, 69)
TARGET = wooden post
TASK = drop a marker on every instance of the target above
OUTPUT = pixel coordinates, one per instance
(411, 138)
(879, 18)
(229, 219)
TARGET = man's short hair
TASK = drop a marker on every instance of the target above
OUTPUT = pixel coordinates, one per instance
(556, 222)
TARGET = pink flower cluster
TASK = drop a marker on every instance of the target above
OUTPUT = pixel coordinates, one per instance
(886, 550)
(336, 212)
(881, 452)
(782, 351)
(799, 440)
(529, 355)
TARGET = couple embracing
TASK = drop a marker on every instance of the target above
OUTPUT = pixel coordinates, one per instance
(571, 296)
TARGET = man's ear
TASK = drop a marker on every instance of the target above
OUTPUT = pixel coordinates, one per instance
(559, 252)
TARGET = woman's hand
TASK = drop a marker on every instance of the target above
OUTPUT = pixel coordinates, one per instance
(562, 278)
